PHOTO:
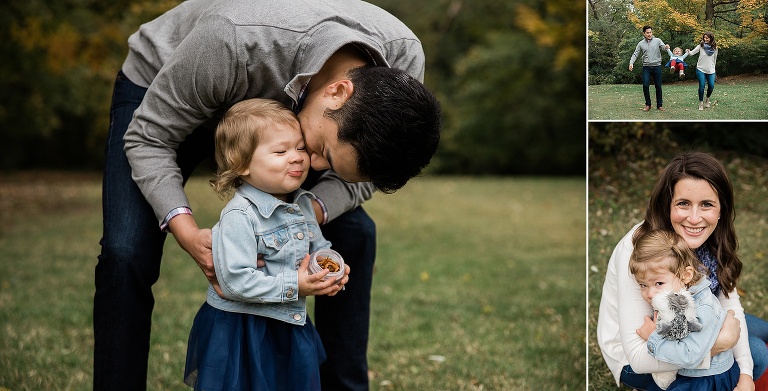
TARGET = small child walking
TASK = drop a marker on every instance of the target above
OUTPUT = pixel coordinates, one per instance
(255, 334)
(662, 262)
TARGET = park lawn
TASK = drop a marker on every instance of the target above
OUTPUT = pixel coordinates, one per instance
(612, 213)
(734, 98)
(479, 285)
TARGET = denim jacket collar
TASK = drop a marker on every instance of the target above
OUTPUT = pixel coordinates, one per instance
(701, 285)
(267, 203)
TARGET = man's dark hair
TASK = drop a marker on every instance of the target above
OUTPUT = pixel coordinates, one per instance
(646, 27)
(392, 121)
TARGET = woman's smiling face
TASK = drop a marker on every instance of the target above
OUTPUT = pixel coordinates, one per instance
(695, 210)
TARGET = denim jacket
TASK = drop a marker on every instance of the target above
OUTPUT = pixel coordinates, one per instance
(255, 224)
(691, 350)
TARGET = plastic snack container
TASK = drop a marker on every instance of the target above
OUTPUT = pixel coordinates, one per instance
(327, 259)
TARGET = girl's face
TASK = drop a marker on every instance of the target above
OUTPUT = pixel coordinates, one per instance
(280, 162)
(655, 281)
(678, 51)
(705, 38)
(695, 211)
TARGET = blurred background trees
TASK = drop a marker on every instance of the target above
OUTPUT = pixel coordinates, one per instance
(510, 76)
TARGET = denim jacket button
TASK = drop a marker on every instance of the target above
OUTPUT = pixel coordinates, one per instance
(289, 294)
(300, 235)
(311, 234)
(297, 316)
(291, 210)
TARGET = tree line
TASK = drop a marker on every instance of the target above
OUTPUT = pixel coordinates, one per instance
(510, 77)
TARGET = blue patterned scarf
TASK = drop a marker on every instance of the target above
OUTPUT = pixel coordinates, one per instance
(708, 48)
(710, 262)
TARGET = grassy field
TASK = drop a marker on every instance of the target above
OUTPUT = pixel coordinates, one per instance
(735, 98)
(618, 193)
(479, 285)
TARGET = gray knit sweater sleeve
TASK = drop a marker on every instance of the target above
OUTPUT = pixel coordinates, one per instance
(199, 79)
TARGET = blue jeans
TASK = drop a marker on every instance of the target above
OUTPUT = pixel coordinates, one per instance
(132, 247)
(709, 80)
(655, 74)
(758, 337)
(638, 381)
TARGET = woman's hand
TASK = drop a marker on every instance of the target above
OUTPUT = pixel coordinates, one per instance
(745, 383)
(648, 326)
(728, 336)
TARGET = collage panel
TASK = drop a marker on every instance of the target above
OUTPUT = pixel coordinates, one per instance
(677, 255)
(676, 60)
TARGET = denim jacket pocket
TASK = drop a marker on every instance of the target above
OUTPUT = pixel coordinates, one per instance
(276, 240)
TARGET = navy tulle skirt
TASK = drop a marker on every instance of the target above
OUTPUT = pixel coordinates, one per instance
(722, 382)
(237, 352)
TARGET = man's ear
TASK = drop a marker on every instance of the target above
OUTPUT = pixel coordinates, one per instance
(339, 91)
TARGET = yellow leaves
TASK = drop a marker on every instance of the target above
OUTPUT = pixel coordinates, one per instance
(530, 21)
(556, 27)
(63, 48)
(63, 45)
(689, 16)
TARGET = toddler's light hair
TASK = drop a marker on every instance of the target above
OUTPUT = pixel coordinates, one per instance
(660, 249)
(676, 49)
(237, 136)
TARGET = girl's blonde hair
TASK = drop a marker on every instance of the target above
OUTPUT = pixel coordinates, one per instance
(237, 136)
(664, 250)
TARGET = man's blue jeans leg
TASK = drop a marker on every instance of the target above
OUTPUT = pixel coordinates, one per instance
(343, 320)
(131, 249)
(652, 72)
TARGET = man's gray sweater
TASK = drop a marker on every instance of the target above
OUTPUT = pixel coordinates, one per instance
(203, 56)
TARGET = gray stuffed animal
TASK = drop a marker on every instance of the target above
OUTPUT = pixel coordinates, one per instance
(677, 314)
(677, 319)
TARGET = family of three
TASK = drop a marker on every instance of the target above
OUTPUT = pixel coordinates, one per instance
(215, 80)
(651, 49)
(686, 244)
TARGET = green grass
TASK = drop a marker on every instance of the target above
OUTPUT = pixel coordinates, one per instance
(618, 194)
(486, 273)
(737, 97)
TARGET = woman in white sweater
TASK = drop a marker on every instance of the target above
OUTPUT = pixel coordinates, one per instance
(694, 198)
(705, 66)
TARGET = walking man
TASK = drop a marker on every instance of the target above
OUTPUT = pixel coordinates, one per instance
(652, 48)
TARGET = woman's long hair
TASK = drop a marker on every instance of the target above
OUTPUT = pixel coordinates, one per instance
(711, 40)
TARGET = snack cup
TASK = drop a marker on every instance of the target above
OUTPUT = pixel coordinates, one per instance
(327, 259)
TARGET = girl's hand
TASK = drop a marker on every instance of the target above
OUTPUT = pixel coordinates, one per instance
(745, 383)
(342, 281)
(648, 326)
(313, 284)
